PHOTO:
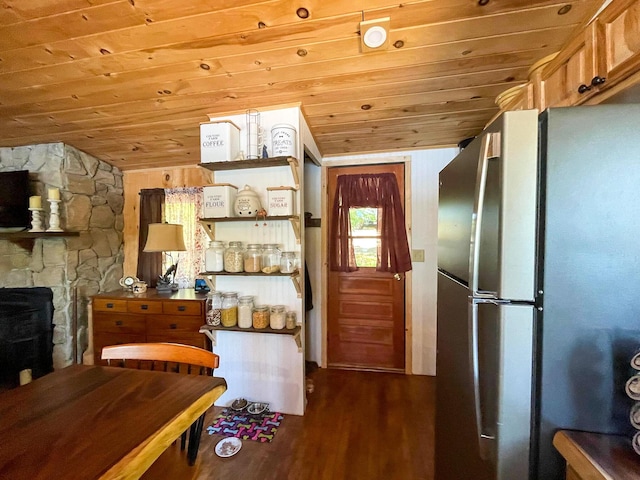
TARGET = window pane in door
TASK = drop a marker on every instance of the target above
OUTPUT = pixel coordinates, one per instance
(364, 235)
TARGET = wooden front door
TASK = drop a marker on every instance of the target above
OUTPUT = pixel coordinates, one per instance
(366, 324)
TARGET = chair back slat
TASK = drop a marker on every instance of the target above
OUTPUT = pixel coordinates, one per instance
(167, 357)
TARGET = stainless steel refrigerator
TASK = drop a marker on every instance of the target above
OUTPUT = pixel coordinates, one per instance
(538, 289)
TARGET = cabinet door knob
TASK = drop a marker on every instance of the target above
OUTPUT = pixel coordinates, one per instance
(182, 308)
(173, 326)
(597, 80)
(118, 323)
(144, 307)
(583, 88)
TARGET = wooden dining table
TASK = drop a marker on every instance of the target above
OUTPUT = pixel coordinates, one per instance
(89, 422)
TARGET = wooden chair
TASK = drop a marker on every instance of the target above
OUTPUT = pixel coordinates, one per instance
(167, 357)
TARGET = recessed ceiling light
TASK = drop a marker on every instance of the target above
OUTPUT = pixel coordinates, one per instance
(375, 37)
(374, 34)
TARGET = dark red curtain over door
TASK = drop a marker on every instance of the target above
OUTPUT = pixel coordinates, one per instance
(370, 191)
(151, 211)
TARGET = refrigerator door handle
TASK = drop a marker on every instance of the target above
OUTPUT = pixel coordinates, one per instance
(489, 147)
(486, 442)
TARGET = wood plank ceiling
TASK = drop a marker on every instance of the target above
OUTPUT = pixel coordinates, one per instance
(129, 81)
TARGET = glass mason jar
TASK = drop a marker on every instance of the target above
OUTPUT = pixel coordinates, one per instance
(261, 316)
(270, 258)
(229, 311)
(253, 258)
(288, 262)
(213, 306)
(214, 257)
(290, 320)
(234, 258)
(277, 317)
(245, 311)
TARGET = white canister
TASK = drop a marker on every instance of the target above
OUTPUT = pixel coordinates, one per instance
(283, 140)
(247, 203)
(280, 201)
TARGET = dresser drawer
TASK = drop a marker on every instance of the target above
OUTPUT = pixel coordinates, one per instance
(177, 307)
(109, 305)
(144, 306)
(168, 324)
(118, 323)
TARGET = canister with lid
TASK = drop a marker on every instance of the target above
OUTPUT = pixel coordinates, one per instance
(283, 140)
(214, 257)
(247, 203)
(253, 258)
(245, 311)
(213, 306)
(260, 316)
(288, 263)
(229, 311)
(290, 320)
(270, 258)
(277, 317)
(234, 258)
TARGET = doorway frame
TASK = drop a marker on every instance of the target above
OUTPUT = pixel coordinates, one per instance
(328, 163)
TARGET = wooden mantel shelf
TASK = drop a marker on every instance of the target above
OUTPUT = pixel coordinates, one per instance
(28, 234)
(595, 456)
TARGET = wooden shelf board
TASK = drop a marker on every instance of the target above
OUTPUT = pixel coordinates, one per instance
(28, 234)
(248, 219)
(240, 164)
(254, 274)
(284, 331)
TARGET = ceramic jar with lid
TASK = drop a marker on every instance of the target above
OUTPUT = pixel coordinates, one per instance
(229, 310)
(260, 316)
(253, 258)
(270, 258)
(234, 258)
(245, 311)
(213, 307)
(277, 317)
(288, 263)
(214, 257)
(247, 203)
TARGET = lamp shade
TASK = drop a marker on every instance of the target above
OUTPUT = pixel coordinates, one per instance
(164, 237)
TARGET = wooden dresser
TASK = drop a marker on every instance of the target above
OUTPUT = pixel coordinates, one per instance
(122, 317)
(594, 456)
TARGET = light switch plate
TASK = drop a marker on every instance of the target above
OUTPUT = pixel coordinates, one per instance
(417, 255)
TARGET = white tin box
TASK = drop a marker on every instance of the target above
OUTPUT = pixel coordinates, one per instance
(218, 200)
(219, 141)
(280, 201)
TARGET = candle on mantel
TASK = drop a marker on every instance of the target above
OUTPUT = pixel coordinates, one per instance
(54, 194)
(35, 201)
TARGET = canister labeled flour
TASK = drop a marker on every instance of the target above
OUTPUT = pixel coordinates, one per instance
(283, 140)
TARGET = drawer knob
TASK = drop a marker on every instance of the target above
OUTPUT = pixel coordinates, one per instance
(144, 307)
(118, 323)
(109, 305)
(583, 88)
(173, 326)
(182, 308)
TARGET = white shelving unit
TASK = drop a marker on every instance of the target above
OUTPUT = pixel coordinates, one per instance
(262, 365)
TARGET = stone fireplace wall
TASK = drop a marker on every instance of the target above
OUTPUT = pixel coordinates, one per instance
(75, 268)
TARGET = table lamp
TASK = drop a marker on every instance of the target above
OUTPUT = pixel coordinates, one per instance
(165, 238)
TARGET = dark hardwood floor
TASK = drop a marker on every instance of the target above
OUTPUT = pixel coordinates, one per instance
(358, 426)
